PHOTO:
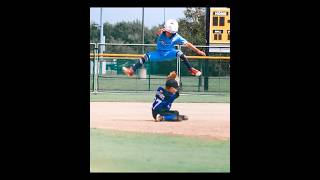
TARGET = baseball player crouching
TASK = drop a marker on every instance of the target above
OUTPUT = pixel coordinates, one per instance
(163, 100)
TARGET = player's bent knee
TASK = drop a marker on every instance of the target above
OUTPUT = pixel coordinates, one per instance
(179, 53)
(145, 57)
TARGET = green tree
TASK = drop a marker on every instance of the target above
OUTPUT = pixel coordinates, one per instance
(193, 25)
(94, 32)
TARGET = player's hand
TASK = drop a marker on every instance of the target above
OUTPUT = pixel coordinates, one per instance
(160, 31)
(201, 53)
(174, 90)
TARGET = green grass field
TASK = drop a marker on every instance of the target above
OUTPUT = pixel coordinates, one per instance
(189, 84)
(116, 151)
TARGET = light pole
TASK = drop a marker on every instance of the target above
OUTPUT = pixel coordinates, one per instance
(164, 15)
(96, 63)
(101, 31)
(142, 30)
(143, 71)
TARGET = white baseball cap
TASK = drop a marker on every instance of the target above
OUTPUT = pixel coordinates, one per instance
(171, 26)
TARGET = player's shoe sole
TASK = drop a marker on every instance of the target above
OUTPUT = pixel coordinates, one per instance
(195, 72)
(128, 71)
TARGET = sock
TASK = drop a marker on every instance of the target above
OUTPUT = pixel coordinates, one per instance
(171, 117)
(185, 61)
(138, 64)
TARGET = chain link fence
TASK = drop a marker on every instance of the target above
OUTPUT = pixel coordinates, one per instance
(215, 78)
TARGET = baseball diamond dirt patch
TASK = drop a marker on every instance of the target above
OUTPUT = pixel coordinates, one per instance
(210, 120)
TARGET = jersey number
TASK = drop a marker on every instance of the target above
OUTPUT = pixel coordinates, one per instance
(158, 102)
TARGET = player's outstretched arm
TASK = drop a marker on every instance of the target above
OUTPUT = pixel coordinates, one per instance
(193, 48)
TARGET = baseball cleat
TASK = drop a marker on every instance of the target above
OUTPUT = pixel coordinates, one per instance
(195, 72)
(158, 118)
(182, 117)
(128, 71)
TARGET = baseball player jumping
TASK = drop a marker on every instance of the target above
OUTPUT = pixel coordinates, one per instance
(167, 39)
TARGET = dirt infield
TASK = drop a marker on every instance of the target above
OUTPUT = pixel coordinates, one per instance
(211, 120)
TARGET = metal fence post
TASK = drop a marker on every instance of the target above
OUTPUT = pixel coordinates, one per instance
(178, 68)
(95, 89)
(93, 69)
(200, 79)
(149, 79)
(206, 73)
(220, 68)
(206, 63)
(93, 66)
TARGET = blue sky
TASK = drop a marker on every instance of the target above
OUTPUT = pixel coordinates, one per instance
(152, 16)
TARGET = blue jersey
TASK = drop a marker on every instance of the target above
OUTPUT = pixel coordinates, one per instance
(167, 44)
(163, 100)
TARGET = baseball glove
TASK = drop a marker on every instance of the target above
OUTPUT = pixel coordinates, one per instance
(172, 75)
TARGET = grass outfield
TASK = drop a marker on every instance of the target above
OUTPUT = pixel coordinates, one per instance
(149, 96)
(116, 151)
(189, 83)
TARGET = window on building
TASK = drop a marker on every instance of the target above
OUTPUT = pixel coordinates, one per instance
(219, 36)
(229, 36)
(215, 37)
(229, 21)
(215, 21)
(221, 21)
